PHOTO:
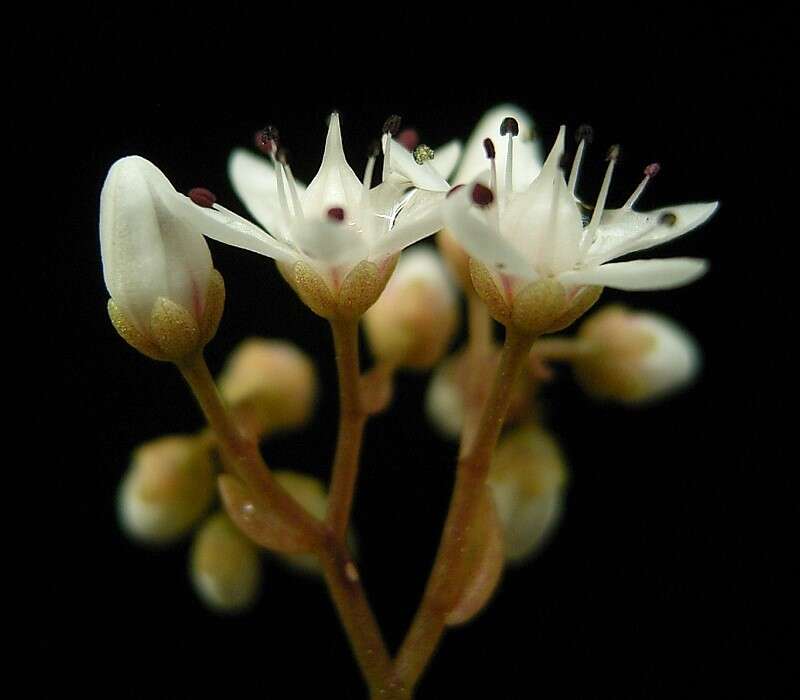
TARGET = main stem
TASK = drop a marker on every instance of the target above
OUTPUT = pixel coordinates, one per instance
(449, 569)
(352, 418)
(242, 457)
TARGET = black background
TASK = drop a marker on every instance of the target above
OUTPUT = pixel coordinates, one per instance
(654, 583)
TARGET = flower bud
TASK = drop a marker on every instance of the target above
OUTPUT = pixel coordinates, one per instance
(168, 487)
(528, 477)
(414, 320)
(444, 399)
(311, 493)
(272, 385)
(166, 297)
(225, 566)
(634, 357)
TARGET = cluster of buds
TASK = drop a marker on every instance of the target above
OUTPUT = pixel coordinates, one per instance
(515, 236)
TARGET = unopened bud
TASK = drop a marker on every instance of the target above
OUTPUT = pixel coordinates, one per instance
(528, 477)
(634, 357)
(225, 566)
(444, 399)
(310, 493)
(414, 320)
(271, 384)
(167, 489)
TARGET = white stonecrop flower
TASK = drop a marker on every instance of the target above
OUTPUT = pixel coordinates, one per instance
(156, 265)
(635, 357)
(537, 233)
(337, 221)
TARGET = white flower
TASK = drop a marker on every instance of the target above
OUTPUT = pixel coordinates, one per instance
(149, 250)
(537, 231)
(634, 357)
(166, 297)
(337, 221)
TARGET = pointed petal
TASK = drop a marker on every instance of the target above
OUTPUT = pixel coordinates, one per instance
(640, 275)
(470, 228)
(335, 185)
(446, 158)
(527, 151)
(256, 184)
(623, 231)
(424, 176)
(223, 225)
(421, 216)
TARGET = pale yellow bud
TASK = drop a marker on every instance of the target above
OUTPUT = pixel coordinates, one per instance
(444, 399)
(310, 493)
(167, 489)
(456, 257)
(413, 321)
(225, 566)
(528, 477)
(271, 383)
(634, 357)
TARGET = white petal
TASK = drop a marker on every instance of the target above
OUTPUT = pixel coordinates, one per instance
(423, 176)
(223, 225)
(148, 248)
(329, 243)
(420, 217)
(335, 185)
(527, 152)
(446, 158)
(623, 231)
(256, 184)
(640, 275)
(469, 226)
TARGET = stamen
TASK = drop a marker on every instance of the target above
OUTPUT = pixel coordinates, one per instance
(649, 173)
(372, 154)
(283, 157)
(588, 234)
(336, 214)
(510, 127)
(202, 197)
(482, 195)
(267, 140)
(390, 128)
(584, 135)
(488, 146)
(408, 139)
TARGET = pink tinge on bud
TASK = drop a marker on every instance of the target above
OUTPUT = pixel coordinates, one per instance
(202, 197)
(453, 190)
(482, 195)
(652, 170)
(336, 214)
(408, 139)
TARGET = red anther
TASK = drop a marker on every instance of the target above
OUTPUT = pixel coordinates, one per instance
(509, 125)
(336, 214)
(488, 146)
(202, 197)
(652, 170)
(408, 139)
(482, 195)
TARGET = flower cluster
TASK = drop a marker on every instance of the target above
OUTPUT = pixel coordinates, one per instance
(525, 250)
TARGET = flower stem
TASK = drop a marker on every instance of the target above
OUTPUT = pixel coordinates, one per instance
(447, 576)
(352, 418)
(242, 457)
